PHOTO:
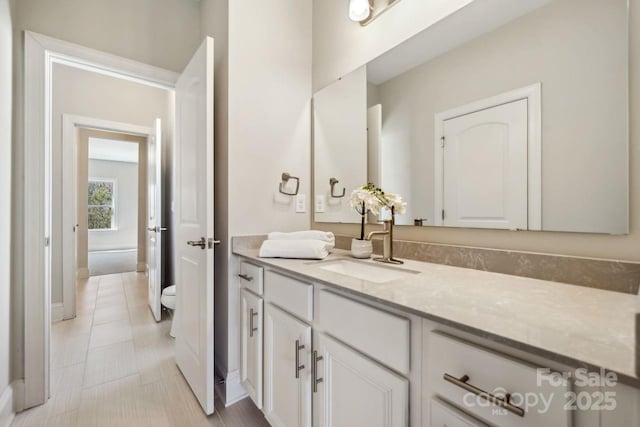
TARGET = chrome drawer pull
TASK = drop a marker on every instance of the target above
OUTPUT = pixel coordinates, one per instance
(502, 403)
(298, 366)
(314, 371)
(252, 329)
(245, 277)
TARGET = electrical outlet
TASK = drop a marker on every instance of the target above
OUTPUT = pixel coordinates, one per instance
(301, 203)
(321, 204)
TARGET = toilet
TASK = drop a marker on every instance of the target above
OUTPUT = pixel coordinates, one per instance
(168, 299)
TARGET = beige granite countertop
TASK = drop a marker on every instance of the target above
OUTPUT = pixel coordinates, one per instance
(576, 324)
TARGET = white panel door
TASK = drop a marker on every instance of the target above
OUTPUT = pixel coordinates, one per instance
(485, 168)
(251, 331)
(193, 210)
(287, 377)
(154, 223)
(354, 390)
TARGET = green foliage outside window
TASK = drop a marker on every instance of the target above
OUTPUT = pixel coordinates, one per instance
(100, 204)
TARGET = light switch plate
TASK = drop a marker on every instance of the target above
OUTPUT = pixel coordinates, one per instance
(321, 204)
(301, 203)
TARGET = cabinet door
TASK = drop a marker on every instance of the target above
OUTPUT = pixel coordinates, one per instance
(355, 391)
(287, 380)
(251, 369)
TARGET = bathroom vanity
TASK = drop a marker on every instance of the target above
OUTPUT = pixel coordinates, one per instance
(343, 342)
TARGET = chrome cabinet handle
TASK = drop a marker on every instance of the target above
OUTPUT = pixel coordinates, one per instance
(252, 329)
(202, 243)
(314, 371)
(245, 277)
(463, 383)
(298, 366)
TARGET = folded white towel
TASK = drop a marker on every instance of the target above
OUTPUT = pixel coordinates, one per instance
(297, 249)
(324, 236)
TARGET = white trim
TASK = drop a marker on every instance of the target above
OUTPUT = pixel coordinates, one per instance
(40, 53)
(533, 95)
(83, 273)
(57, 312)
(7, 413)
(231, 390)
(141, 267)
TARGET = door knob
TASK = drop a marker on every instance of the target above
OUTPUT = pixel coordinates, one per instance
(202, 243)
(159, 229)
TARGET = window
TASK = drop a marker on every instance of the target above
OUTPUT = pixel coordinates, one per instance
(101, 204)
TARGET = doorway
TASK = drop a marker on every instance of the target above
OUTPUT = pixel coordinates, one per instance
(111, 203)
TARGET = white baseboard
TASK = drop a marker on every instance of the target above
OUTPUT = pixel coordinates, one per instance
(232, 390)
(83, 273)
(18, 395)
(57, 312)
(141, 267)
(6, 407)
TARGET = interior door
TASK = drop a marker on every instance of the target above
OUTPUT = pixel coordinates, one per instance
(193, 210)
(287, 376)
(485, 168)
(154, 214)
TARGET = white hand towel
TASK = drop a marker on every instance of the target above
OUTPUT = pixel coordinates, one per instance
(324, 236)
(296, 249)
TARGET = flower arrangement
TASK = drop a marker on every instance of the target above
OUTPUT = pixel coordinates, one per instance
(370, 198)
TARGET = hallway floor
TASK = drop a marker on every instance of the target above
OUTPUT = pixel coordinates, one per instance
(113, 365)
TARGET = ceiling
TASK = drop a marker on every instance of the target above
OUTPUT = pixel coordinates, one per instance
(477, 18)
(113, 150)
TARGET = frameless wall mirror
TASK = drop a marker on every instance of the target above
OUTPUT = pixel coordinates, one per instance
(518, 121)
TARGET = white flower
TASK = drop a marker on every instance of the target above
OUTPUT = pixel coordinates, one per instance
(375, 199)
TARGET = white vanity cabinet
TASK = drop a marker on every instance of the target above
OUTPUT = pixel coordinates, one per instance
(287, 373)
(251, 335)
(352, 390)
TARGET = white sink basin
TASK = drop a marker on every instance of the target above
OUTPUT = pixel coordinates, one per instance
(377, 273)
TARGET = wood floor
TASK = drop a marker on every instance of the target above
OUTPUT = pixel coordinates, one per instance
(113, 365)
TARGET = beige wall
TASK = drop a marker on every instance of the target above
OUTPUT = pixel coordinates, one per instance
(584, 76)
(84, 244)
(578, 244)
(5, 190)
(262, 122)
(164, 33)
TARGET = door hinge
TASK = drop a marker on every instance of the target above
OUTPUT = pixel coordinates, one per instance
(442, 142)
(443, 214)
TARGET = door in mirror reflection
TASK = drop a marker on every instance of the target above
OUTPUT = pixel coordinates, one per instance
(484, 157)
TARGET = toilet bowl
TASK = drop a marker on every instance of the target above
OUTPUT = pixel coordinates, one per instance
(168, 299)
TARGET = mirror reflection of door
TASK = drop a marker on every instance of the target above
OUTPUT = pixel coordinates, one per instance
(485, 168)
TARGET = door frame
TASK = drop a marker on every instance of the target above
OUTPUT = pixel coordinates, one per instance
(70, 125)
(533, 95)
(40, 53)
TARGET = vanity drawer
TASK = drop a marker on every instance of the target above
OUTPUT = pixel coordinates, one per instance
(291, 294)
(380, 335)
(251, 277)
(445, 415)
(496, 374)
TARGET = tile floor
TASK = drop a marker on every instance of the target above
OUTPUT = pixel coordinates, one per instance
(113, 365)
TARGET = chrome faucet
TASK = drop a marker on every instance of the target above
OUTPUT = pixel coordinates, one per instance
(387, 236)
